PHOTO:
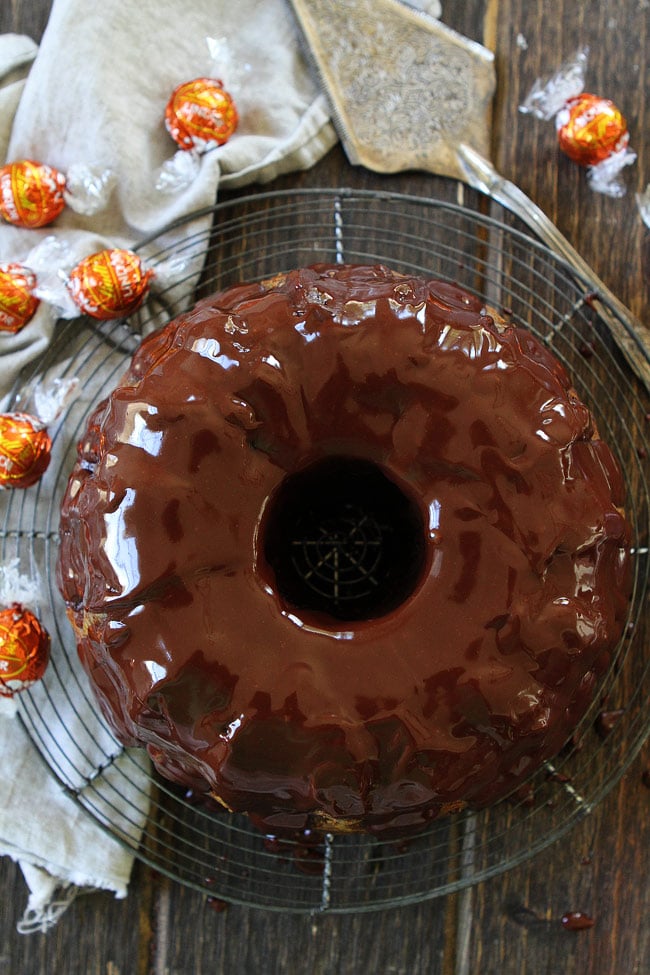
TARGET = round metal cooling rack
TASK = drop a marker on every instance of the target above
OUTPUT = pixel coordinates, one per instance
(485, 250)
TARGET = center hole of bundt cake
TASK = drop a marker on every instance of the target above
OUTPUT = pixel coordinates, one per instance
(343, 539)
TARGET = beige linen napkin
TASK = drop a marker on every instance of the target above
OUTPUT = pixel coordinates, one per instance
(95, 94)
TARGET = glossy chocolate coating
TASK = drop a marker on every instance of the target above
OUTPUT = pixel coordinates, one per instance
(298, 718)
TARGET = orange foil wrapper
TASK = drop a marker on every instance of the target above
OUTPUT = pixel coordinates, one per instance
(31, 193)
(24, 650)
(109, 284)
(25, 447)
(590, 129)
(17, 300)
(200, 114)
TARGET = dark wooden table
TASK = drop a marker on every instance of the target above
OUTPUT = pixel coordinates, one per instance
(510, 925)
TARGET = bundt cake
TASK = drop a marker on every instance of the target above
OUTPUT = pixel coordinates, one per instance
(344, 550)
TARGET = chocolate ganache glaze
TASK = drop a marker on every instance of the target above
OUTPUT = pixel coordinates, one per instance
(345, 551)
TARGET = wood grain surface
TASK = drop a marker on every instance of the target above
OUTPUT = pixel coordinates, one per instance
(509, 925)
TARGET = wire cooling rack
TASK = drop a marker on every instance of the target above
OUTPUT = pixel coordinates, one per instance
(484, 249)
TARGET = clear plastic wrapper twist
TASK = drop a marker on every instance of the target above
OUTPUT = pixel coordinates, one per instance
(643, 203)
(591, 130)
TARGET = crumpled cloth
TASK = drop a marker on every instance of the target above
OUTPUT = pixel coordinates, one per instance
(94, 92)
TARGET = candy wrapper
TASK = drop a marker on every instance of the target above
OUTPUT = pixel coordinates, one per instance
(24, 649)
(18, 301)
(591, 130)
(108, 284)
(25, 447)
(200, 116)
(24, 642)
(25, 444)
(33, 194)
